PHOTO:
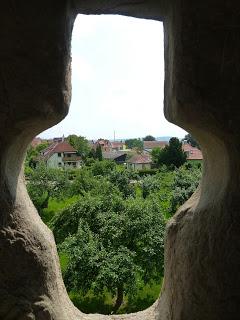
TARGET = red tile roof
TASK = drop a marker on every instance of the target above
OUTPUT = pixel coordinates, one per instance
(154, 144)
(193, 153)
(140, 158)
(64, 147)
(58, 147)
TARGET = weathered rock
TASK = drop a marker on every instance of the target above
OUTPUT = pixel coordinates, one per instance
(202, 49)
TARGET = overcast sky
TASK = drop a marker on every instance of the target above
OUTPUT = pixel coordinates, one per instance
(117, 80)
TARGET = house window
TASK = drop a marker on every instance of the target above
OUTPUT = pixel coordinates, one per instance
(69, 155)
(59, 164)
(59, 154)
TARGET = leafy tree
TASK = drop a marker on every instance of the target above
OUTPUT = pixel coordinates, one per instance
(91, 156)
(98, 153)
(83, 182)
(134, 143)
(191, 140)
(149, 138)
(110, 243)
(150, 184)
(122, 180)
(183, 186)
(44, 183)
(102, 168)
(80, 144)
(156, 156)
(32, 154)
(159, 188)
(171, 155)
(104, 197)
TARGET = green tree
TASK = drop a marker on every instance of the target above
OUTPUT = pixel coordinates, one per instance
(80, 144)
(185, 182)
(171, 155)
(122, 180)
(83, 182)
(159, 188)
(33, 154)
(91, 156)
(110, 243)
(149, 138)
(191, 140)
(102, 168)
(98, 153)
(134, 143)
(44, 183)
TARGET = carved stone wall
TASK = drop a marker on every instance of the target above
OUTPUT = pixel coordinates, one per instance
(202, 49)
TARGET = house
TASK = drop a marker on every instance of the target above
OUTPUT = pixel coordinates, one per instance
(139, 162)
(149, 145)
(61, 155)
(104, 144)
(117, 146)
(118, 156)
(193, 153)
(58, 139)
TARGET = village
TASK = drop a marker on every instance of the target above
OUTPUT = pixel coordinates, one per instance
(60, 153)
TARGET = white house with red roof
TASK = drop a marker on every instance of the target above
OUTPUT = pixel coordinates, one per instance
(61, 155)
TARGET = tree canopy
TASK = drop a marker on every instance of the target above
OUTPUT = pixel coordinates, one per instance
(98, 153)
(149, 138)
(184, 184)
(45, 183)
(191, 140)
(33, 152)
(136, 143)
(170, 155)
(80, 144)
(109, 225)
(110, 243)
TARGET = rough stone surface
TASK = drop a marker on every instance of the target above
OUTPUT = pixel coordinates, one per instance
(202, 49)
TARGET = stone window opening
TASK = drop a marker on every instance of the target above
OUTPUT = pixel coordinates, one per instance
(201, 95)
(159, 32)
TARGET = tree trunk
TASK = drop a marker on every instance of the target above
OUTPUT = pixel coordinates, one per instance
(119, 299)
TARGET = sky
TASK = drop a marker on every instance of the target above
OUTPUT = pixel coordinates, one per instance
(117, 80)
